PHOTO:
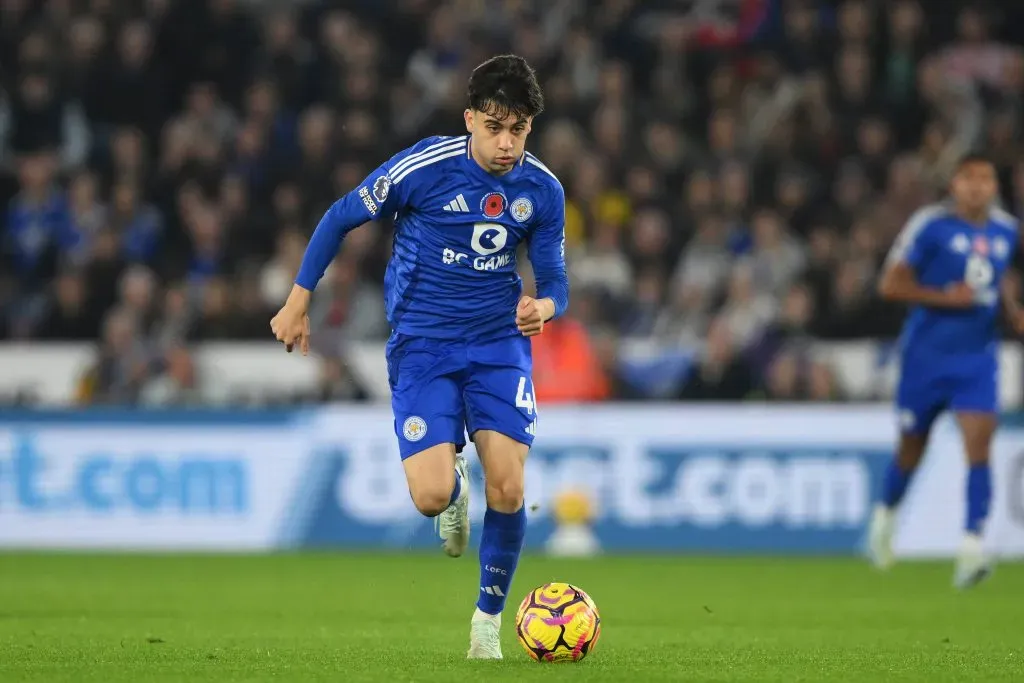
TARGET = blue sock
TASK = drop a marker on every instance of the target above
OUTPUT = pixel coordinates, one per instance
(979, 495)
(895, 484)
(457, 491)
(500, 544)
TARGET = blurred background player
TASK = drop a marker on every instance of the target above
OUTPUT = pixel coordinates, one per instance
(950, 264)
(459, 357)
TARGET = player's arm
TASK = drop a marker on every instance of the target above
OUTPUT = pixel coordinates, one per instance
(547, 256)
(373, 198)
(899, 282)
(1009, 293)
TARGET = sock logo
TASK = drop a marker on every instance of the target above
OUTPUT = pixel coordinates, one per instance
(495, 570)
(493, 590)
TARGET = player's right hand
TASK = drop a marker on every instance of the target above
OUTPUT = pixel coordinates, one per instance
(291, 327)
(960, 295)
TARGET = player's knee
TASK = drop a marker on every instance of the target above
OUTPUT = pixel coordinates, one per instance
(431, 501)
(505, 495)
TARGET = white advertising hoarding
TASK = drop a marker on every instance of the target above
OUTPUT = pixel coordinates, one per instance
(665, 478)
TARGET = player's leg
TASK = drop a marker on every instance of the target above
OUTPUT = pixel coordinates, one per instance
(433, 479)
(975, 408)
(909, 452)
(500, 414)
(918, 405)
(430, 426)
(501, 540)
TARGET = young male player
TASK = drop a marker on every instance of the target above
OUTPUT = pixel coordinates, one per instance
(950, 264)
(459, 354)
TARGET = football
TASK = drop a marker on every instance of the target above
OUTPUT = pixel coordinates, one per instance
(558, 622)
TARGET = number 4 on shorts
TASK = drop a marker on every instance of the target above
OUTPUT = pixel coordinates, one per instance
(523, 398)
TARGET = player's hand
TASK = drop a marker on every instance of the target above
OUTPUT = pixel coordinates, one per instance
(291, 326)
(960, 295)
(530, 316)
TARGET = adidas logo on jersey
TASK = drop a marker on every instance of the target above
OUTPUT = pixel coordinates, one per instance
(458, 205)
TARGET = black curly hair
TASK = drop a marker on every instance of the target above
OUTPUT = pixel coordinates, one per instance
(505, 86)
(974, 158)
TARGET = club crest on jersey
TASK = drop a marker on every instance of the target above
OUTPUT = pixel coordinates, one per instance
(414, 428)
(1000, 247)
(493, 204)
(521, 209)
(380, 188)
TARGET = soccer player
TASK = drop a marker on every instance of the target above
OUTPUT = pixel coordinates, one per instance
(951, 265)
(459, 353)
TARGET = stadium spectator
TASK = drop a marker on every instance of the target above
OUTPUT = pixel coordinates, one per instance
(566, 367)
(735, 171)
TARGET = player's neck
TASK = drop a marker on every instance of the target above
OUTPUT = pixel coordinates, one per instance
(977, 217)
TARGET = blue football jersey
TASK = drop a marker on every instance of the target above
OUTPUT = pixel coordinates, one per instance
(943, 249)
(452, 273)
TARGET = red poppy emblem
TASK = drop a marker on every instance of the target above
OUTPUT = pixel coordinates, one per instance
(981, 246)
(493, 205)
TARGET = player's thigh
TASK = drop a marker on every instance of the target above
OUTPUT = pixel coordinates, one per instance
(501, 416)
(426, 397)
(976, 404)
(920, 397)
(503, 460)
(430, 474)
(498, 391)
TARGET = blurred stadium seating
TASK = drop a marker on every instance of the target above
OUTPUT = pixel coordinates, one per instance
(735, 171)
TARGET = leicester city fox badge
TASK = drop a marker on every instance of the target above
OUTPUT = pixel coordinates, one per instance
(414, 428)
(521, 209)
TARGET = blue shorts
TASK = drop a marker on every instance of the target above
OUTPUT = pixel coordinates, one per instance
(927, 388)
(441, 389)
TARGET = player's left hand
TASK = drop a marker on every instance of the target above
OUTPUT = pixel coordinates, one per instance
(530, 316)
(291, 327)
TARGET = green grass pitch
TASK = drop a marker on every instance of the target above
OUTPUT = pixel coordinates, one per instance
(372, 617)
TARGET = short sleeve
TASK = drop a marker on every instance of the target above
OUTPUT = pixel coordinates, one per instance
(913, 244)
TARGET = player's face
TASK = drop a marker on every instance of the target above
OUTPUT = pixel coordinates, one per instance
(497, 143)
(975, 185)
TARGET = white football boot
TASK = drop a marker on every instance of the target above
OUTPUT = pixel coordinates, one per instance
(880, 535)
(972, 564)
(484, 636)
(453, 523)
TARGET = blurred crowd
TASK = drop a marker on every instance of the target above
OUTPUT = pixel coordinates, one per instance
(735, 171)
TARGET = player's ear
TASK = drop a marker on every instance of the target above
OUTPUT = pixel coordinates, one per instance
(468, 115)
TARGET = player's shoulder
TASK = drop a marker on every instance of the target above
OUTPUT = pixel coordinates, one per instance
(1004, 219)
(928, 216)
(540, 174)
(425, 156)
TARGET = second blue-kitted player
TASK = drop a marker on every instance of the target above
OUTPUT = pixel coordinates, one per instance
(951, 264)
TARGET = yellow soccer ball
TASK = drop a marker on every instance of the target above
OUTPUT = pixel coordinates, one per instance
(558, 622)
